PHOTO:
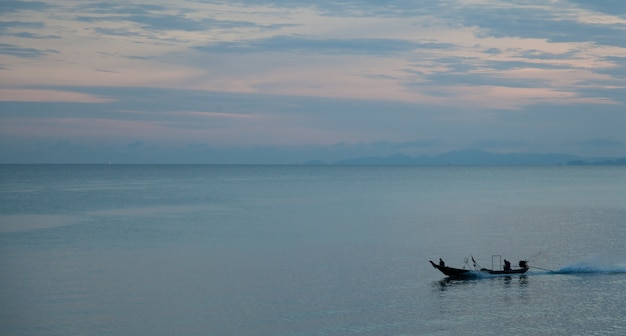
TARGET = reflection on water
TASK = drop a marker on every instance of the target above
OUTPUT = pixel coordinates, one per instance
(17, 223)
(508, 280)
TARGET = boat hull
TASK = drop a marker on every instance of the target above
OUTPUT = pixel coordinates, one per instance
(512, 271)
(451, 271)
(460, 273)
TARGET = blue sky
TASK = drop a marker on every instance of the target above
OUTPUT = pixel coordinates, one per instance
(288, 81)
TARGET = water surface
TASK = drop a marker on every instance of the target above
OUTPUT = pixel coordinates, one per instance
(309, 250)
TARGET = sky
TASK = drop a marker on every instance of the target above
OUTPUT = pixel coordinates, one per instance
(285, 81)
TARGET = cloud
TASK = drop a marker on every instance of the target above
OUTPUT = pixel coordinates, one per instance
(123, 8)
(36, 36)
(122, 32)
(618, 68)
(544, 21)
(371, 75)
(159, 22)
(33, 95)
(6, 26)
(601, 142)
(18, 29)
(301, 44)
(16, 5)
(157, 18)
(17, 51)
(611, 7)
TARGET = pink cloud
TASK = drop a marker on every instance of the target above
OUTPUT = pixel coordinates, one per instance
(27, 95)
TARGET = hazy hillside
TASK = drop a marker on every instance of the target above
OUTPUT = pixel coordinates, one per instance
(481, 158)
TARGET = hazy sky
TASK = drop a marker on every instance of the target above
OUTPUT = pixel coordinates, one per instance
(289, 81)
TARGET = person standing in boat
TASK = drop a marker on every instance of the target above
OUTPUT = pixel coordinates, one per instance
(507, 265)
(441, 263)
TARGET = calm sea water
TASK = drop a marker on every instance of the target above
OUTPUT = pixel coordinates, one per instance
(309, 250)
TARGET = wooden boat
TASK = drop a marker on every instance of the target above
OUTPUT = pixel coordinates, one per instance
(468, 273)
(454, 272)
(510, 271)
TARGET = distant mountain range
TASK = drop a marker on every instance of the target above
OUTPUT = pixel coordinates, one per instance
(480, 158)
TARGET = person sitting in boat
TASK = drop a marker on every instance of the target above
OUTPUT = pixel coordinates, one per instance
(507, 265)
(523, 264)
(441, 263)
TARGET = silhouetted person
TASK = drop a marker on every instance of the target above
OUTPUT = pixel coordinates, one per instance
(441, 263)
(507, 265)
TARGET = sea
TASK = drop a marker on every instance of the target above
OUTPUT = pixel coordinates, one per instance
(310, 250)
